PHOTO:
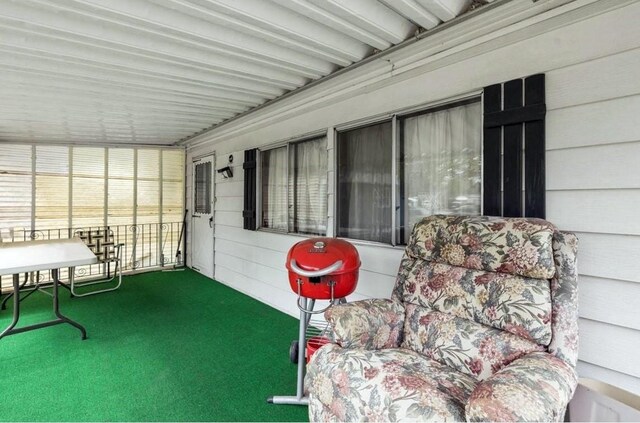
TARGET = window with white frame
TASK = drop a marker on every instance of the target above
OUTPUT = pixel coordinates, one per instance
(432, 165)
(293, 187)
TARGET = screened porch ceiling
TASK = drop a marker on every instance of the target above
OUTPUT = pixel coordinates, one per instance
(159, 71)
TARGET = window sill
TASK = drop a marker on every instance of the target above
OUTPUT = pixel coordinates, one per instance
(356, 242)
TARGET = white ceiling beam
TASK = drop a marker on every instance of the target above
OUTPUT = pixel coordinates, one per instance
(412, 10)
(29, 109)
(84, 140)
(13, 121)
(331, 20)
(67, 131)
(14, 118)
(105, 133)
(78, 27)
(30, 80)
(93, 73)
(33, 103)
(26, 39)
(274, 18)
(445, 9)
(226, 83)
(114, 135)
(160, 21)
(372, 16)
(220, 19)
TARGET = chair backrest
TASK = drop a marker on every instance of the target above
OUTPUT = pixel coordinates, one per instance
(482, 291)
(100, 241)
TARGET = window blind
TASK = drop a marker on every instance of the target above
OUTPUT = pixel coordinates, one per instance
(121, 192)
(172, 185)
(88, 186)
(148, 189)
(52, 188)
(16, 184)
(172, 200)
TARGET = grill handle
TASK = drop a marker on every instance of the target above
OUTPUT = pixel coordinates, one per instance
(315, 273)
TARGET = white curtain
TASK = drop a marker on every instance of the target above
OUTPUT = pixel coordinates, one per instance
(274, 188)
(308, 187)
(442, 163)
(364, 183)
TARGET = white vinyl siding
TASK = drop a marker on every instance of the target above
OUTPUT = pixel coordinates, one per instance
(592, 136)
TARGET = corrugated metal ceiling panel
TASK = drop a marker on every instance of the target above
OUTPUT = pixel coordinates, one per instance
(157, 71)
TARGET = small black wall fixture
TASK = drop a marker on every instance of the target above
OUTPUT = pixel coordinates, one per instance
(226, 172)
(514, 148)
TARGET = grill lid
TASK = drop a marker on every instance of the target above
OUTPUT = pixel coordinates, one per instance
(320, 253)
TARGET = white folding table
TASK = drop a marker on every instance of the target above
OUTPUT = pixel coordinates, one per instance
(32, 256)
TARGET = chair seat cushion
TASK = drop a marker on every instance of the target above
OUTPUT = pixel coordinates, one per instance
(467, 346)
(385, 385)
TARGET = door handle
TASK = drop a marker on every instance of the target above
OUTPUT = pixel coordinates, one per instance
(211, 222)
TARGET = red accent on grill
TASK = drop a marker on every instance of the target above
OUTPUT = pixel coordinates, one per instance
(315, 254)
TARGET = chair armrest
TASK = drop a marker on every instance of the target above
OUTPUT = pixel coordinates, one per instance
(369, 324)
(536, 387)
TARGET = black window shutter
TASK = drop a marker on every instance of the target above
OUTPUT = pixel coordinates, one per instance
(250, 193)
(514, 140)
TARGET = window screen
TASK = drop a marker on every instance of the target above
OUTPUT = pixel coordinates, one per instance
(273, 165)
(308, 187)
(294, 187)
(202, 198)
(364, 183)
(441, 163)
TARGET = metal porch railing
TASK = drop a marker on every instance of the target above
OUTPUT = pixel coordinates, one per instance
(145, 246)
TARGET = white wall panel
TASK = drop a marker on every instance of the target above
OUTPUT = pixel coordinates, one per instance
(605, 211)
(609, 346)
(609, 256)
(591, 123)
(599, 296)
(582, 167)
(624, 381)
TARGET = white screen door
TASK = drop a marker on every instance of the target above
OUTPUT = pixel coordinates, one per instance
(202, 216)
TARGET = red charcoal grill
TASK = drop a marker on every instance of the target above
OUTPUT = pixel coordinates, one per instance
(319, 269)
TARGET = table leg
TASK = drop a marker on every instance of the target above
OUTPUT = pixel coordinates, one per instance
(16, 305)
(56, 306)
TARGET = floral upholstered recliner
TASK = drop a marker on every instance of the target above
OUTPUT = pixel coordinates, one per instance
(482, 326)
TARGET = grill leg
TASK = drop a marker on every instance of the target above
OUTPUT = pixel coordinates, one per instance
(299, 399)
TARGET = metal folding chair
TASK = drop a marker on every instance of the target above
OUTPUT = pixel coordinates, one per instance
(102, 242)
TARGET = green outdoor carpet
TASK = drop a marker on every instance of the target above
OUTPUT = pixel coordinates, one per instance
(167, 346)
